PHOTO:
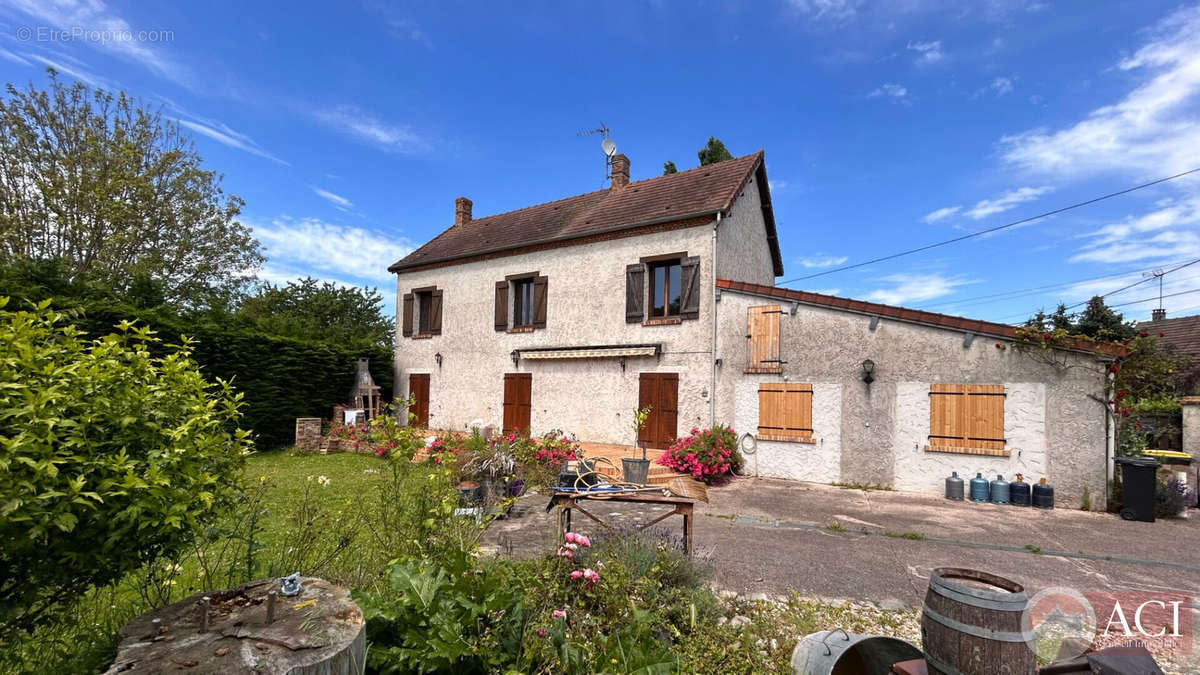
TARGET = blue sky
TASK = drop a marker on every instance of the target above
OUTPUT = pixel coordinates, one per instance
(350, 128)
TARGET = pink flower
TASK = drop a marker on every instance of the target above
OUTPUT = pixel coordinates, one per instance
(576, 574)
(570, 537)
(571, 545)
(558, 614)
(541, 632)
(583, 541)
(564, 552)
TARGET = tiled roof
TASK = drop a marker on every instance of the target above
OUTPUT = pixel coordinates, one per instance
(1181, 333)
(687, 194)
(910, 315)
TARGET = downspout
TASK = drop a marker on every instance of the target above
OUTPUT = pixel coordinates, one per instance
(712, 388)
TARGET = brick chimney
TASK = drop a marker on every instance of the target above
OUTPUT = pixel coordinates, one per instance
(1158, 314)
(620, 171)
(462, 211)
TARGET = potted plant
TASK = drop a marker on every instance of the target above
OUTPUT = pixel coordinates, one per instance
(637, 470)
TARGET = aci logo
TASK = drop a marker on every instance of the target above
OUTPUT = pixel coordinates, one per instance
(1062, 623)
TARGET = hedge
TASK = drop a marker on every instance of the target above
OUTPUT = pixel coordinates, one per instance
(282, 378)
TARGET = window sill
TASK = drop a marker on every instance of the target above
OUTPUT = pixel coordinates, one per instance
(785, 438)
(664, 321)
(520, 329)
(422, 336)
(760, 370)
(990, 452)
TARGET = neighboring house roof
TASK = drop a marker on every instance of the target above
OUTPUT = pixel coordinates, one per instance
(909, 315)
(703, 191)
(1181, 333)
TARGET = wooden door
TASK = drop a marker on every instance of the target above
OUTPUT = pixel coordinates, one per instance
(659, 392)
(518, 388)
(418, 389)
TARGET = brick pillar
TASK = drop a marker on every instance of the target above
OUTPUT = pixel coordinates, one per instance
(462, 211)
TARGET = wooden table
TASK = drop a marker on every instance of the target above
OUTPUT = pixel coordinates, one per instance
(569, 501)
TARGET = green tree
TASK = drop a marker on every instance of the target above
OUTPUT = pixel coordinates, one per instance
(669, 168)
(312, 310)
(110, 457)
(714, 151)
(1099, 321)
(106, 185)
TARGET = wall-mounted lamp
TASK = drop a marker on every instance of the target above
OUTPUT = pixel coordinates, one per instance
(516, 356)
(622, 362)
(438, 358)
(868, 368)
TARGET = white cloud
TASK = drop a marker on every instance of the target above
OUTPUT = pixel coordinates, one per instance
(1005, 202)
(221, 133)
(1001, 85)
(820, 260)
(836, 10)
(941, 214)
(776, 185)
(927, 52)
(907, 288)
(896, 92)
(92, 23)
(1171, 231)
(335, 199)
(353, 122)
(1153, 130)
(322, 248)
(15, 58)
(824, 291)
(76, 71)
(408, 30)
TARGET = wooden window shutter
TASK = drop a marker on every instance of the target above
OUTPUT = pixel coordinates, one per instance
(635, 293)
(406, 316)
(785, 411)
(967, 418)
(540, 287)
(763, 329)
(501, 305)
(435, 313)
(689, 288)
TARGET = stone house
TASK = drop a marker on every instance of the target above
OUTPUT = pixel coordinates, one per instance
(573, 314)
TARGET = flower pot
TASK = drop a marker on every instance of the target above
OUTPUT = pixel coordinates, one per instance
(468, 493)
(636, 470)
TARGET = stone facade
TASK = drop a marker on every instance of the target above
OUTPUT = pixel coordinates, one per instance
(308, 434)
(1054, 420)
(1191, 426)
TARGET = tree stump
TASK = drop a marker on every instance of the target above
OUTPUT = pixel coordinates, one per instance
(318, 632)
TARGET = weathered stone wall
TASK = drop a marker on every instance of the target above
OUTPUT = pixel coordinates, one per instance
(308, 433)
(1055, 417)
(1191, 426)
(820, 461)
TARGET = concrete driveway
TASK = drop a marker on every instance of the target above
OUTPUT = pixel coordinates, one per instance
(774, 536)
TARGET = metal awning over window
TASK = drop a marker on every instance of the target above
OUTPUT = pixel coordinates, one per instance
(588, 352)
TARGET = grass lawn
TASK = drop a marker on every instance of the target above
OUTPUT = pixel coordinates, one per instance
(352, 477)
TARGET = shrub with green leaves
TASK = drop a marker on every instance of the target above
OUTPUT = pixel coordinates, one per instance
(114, 452)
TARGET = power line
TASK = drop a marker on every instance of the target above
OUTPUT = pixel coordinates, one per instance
(1168, 295)
(1140, 281)
(972, 235)
(1030, 291)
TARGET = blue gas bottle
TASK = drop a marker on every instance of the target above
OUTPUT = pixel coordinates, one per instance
(979, 488)
(999, 490)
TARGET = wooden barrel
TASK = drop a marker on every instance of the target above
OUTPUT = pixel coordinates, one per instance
(971, 624)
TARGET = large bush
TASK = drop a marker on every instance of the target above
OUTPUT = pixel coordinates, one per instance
(708, 455)
(113, 453)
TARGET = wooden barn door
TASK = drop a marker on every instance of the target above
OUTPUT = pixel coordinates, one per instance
(418, 389)
(659, 391)
(518, 389)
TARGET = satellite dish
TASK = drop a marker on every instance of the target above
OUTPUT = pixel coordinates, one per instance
(608, 147)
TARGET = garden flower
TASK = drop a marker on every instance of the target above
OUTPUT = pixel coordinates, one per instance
(570, 536)
(583, 541)
(541, 632)
(558, 614)
(576, 574)
(323, 481)
(565, 553)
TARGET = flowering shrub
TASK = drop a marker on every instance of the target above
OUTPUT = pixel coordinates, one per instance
(707, 455)
(355, 435)
(540, 460)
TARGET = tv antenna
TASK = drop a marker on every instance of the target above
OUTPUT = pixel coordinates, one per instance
(1157, 274)
(607, 146)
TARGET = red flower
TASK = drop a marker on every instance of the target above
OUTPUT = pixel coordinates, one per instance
(1162, 335)
(1143, 334)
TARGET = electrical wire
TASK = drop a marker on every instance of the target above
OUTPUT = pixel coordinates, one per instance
(989, 230)
(1141, 281)
(1168, 295)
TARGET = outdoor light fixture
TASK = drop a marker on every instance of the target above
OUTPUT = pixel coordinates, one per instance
(622, 362)
(516, 356)
(868, 367)
(438, 357)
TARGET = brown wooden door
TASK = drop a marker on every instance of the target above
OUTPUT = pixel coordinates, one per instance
(660, 392)
(518, 388)
(418, 389)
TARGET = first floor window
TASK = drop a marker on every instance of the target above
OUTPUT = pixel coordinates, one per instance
(523, 303)
(665, 288)
(967, 418)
